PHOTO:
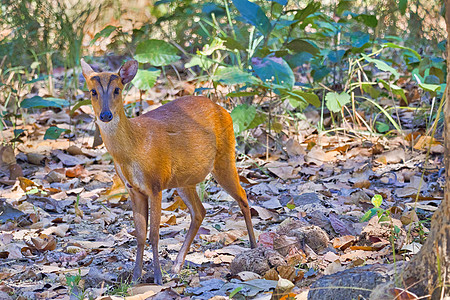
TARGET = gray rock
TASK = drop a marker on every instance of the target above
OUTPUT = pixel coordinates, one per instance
(355, 282)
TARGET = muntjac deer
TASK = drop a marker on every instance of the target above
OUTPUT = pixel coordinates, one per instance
(174, 146)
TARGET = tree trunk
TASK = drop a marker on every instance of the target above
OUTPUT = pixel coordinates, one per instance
(429, 271)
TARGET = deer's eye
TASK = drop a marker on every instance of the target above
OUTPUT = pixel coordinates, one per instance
(116, 91)
(94, 93)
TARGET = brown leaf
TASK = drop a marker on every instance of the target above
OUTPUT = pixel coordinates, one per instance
(293, 148)
(282, 169)
(168, 220)
(27, 184)
(295, 257)
(226, 237)
(77, 171)
(362, 184)
(424, 142)
(330, 256)
(344, 242)
(287, 272)
(15, 171)
(43, 243)
(178, 203)
(272, 274)
(247, 275)
(263, 213)
(7, 155)
(393, 157)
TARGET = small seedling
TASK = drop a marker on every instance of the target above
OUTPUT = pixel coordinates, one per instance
(75, 288)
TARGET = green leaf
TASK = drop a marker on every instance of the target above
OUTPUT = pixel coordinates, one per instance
(40, 78)
(254, 15)
(396, 90)
(242, 94)
(79, 104)
(402, 4)
(145, 80)
(209, 49)
(235, 291)
(104, 33)
(290, 206)
(53, 133)
(242, 116)
(382, 127)
(296, 97)
(383, 219)
(334, 101)
(201, 61)
(156, 52)
(373, 92)
(311, 8)
(275, 70)
(302, 45)
(377, 200)
(39, 102)
(381, 65)
(234, 75)
(369, 214)
(430, 87)
(368, 20)
(392, 45)
(232, 44)
(18, 132)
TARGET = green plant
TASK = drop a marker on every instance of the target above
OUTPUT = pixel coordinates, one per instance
(187, 273)
(74, 282)
(120, 290)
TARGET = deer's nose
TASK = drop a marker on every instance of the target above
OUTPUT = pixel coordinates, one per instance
(106, 116)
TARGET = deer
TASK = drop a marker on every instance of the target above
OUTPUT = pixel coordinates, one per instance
(174, 146)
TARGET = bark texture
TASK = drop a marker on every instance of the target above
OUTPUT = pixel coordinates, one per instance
(429, 270)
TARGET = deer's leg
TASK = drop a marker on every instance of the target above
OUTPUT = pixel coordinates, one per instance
(197, 211)
(226, 174)
(139, 203)
(155, 220)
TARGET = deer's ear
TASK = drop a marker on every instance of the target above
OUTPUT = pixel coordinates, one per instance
(128, 71)
(87, 70)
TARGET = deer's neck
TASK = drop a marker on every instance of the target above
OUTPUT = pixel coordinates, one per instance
(117, 134)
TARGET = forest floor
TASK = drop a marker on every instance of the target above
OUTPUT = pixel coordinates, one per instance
(320, 204)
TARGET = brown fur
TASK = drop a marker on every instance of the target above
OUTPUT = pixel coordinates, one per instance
(174, 146)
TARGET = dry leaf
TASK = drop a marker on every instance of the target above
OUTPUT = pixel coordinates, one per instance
(42, 243)
(424, 142)
(271, 274)
(287, 272)
(225, 237)
(344, 242)
(59, 230)
(246, 275)
(77, 171)
(178, 203)
(168, 220)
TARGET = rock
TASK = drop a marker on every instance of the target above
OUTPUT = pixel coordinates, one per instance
(356, 282)
(35, 158)
(258, 260)
(314, 236)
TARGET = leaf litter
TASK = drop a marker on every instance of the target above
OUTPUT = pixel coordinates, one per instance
(66, 222)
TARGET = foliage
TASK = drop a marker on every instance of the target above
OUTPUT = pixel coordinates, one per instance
(259, 48)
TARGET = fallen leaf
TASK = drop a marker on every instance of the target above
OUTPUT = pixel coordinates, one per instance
(168, 220)
(225, 237)
(344, 242)
(178, 203)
